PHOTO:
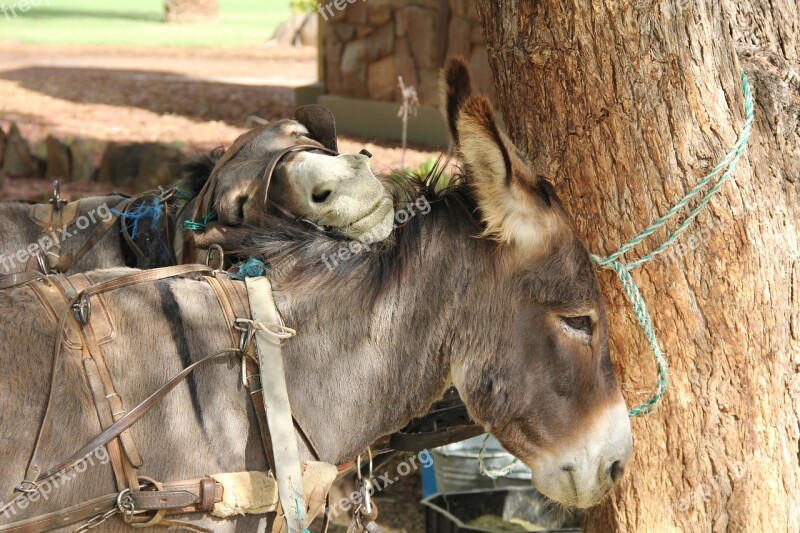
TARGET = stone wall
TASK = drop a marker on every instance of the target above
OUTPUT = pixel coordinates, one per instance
(369, 43)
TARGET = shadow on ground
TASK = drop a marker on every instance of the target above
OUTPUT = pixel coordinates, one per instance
(160, 92)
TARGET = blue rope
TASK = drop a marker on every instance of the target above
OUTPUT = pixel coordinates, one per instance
(191, 225)
(623, 270)
(141, 212)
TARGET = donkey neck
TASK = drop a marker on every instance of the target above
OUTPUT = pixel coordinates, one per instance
(358, 371)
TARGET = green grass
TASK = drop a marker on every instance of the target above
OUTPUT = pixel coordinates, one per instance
(139, 22)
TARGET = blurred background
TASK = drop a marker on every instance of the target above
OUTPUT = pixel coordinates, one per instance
(115, 95)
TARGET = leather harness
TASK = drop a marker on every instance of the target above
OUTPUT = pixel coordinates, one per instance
(78, 307)
(62, 215)
(84, 325)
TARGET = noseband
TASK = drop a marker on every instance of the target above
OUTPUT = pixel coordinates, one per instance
(205, 200)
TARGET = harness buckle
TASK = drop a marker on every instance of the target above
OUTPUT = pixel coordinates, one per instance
(246, 332)
(41, 260)
(56, 200)
(125, 505)
(215, 257)
(82, 308)
(32, 487)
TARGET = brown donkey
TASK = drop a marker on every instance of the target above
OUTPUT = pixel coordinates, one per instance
(490, 288)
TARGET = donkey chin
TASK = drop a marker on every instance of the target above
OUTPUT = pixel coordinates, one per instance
(580, 475)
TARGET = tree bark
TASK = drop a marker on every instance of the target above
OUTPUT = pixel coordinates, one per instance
(191, 11)
(625, 105)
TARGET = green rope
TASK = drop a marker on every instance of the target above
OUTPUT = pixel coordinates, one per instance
(182, 195)
(252, 268)
(299, 511)
(493, 473)
(191, 225)
(623, 270)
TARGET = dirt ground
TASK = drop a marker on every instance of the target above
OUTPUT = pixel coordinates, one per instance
(198, 99)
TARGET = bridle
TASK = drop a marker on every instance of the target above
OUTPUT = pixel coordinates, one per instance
(204, 203)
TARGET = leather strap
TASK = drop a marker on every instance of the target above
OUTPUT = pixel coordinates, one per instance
(232, 298)
(130, 418)
(145, 276)
(68, 261)
(276, 402)
(179, 497)
(33, 473)
(105, 419)
(50, 218)
(8, 281)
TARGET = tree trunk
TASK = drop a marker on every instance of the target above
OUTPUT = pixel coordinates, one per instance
(625, 105)
(191, 11)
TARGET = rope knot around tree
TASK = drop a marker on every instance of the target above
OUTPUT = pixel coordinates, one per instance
(726, 167)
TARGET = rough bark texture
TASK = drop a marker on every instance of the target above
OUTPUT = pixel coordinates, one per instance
(625, 105)
(191, 11)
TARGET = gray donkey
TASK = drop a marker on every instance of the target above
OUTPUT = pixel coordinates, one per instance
(334, 193)
(492, 288)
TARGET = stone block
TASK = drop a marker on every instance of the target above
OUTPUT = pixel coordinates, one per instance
(458, 40)
(381, 43)
(382, 79)
(57, 160)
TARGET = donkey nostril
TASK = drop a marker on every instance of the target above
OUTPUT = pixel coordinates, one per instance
(320, 196)
(567, 467)
(616, 470)
(240, 207)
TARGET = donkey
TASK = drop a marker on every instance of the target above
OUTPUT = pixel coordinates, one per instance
(491, 288)
(337, 194)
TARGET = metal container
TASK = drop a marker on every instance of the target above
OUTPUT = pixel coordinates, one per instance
(450, 513)
(457, 469)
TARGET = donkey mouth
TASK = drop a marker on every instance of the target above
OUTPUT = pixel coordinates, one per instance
(375, 226)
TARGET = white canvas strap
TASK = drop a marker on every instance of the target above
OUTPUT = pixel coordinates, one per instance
(276, 401)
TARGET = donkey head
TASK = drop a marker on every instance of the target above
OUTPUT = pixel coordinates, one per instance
(549, 394)
(332, 192)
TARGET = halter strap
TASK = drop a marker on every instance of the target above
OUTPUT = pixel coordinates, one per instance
(205, 199)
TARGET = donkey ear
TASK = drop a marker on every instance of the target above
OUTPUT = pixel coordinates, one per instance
(516, 205)
(320, 123)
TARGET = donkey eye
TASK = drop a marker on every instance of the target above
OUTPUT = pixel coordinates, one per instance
(579, 323)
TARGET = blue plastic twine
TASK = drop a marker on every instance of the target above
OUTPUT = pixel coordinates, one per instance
(141, 212)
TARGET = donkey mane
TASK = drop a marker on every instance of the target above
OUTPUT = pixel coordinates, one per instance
(284, 242)
(196, 172)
